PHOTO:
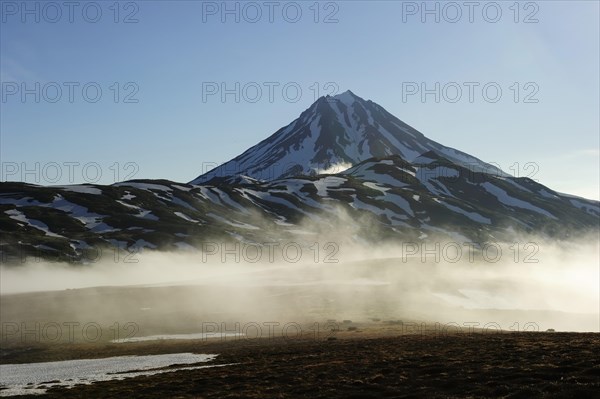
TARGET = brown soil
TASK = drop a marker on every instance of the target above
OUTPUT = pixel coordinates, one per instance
(356, 364)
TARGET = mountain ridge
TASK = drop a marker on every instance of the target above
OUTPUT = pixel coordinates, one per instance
(383, 200)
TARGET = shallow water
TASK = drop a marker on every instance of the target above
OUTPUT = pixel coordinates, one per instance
(35, 378)
(202, 336)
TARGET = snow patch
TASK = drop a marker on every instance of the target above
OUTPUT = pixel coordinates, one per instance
(81, 189)
(506, 199)
(186, 217)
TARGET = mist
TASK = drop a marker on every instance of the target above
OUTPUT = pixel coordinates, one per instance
(532, 282)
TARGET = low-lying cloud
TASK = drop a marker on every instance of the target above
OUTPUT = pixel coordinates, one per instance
(551, 284)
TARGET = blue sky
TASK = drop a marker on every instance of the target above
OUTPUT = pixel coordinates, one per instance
(177, 49)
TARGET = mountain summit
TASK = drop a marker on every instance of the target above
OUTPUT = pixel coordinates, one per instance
(333, 134)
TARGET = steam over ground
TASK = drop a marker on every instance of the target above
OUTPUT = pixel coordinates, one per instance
(529, 284)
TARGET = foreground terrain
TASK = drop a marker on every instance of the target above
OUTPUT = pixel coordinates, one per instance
(358, 363)
(334, 339)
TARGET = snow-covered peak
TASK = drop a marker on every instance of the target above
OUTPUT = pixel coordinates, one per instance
(347, 97)
(346, 131)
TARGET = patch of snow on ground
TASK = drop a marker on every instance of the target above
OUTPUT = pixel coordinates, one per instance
(474, 216)
(326, 183)
(27, 378)
(128, 205)
(547, 194)
(380, 178)
(375, 186)
(398, 201)
(36, 224)
(146, 214)
(388, 213)
(128, 196)
(506, 199)
(182, 188)
(92, 221)
(186, 217)
(141, 243)
(83, 189)
(592, 209)
(144, 186)
(515, 184)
